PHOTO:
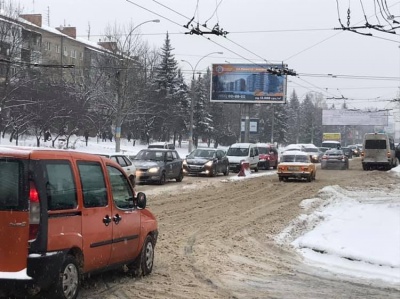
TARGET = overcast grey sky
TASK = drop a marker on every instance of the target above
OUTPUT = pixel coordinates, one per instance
(363, 69)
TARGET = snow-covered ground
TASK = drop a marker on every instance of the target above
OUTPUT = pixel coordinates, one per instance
(357, 230)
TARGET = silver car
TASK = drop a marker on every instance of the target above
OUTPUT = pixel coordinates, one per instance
(126, 164)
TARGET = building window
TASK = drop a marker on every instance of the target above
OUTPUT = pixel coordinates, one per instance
(57, 48)
(47, 46)
(65, 51)
(81, 55)
(73, 53)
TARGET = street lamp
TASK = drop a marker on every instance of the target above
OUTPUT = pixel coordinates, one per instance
(118, 119)
(192, 98)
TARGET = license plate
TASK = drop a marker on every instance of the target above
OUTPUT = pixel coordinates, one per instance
(293, 168)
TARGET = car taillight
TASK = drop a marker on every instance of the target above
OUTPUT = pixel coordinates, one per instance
(303, 168)
(34, 211)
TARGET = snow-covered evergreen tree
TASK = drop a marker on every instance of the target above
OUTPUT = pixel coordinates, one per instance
(167, 87)
(202, 120)
(293, 119)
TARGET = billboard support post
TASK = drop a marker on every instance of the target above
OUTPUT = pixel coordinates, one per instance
(247, 122)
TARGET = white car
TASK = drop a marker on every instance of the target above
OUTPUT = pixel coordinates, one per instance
(125, 163)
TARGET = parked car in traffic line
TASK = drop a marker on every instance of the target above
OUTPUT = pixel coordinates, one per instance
(208, 161)
(158, 166)
(334, 158)
(243, 152)
(356, 149)
(125, 163)
(347, 151)
(296, 165)
(314, 153)
(166, 145)
(64, 215)
(378, 152)
(268, 156)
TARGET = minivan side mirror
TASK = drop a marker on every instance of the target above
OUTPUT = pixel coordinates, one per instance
(141, 200)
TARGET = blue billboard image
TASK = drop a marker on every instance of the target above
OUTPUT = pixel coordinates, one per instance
(247, 83)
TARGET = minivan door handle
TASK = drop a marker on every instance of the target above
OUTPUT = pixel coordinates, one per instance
(117, 218)
(106, 220)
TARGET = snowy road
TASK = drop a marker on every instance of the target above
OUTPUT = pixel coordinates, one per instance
(217, 241)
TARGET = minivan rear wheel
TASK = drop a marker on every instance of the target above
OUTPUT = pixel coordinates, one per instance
(68, 281)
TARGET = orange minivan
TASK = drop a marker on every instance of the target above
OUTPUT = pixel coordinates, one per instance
(65, 214)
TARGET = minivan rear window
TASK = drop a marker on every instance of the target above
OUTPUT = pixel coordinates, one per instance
(10, 182)
(375, 144)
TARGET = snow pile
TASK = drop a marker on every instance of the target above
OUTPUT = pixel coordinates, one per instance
(352, 232)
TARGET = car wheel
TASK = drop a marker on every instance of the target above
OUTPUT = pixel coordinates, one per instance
(280, 179)
(285, 179)
(180, 176)
(275, 166)
(256, 169)
(309, 178)
(132, 179)
(68, 281)
(226, 171)
(163, 179)
(143, 265)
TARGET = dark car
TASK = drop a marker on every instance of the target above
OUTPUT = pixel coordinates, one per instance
(334, 158)
(348, 152)
(158, 166)
(356, 149)
(209, 161)
(268, 156)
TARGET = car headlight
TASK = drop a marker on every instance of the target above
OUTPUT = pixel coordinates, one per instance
(209, 163)
(154, 169)
(184, 162)
(315, 157)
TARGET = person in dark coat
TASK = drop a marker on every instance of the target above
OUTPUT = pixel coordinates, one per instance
(86, 134)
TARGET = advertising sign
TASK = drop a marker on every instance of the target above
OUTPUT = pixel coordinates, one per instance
(253, 125)
(335, 117)
(247, 83)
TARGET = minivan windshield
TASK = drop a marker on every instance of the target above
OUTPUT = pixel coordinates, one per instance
(238, 152)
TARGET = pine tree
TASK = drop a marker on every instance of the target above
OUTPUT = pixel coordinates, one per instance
(202, 120)
(167, 86)
(293, 119)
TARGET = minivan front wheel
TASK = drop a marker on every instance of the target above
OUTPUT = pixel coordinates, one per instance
(68, 281)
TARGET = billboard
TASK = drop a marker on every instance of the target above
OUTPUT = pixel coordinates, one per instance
(335, 117)
(247, 83)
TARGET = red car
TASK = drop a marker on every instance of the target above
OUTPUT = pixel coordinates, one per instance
(268, 156)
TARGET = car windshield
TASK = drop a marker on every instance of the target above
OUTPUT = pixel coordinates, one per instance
(264, 150)
(311, 150)
(202, 153)
(294, 158)
(150, 155)
(238, 152)
(334, 153)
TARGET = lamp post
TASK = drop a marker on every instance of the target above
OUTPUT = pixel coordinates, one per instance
(192, 97)
(118, 118)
